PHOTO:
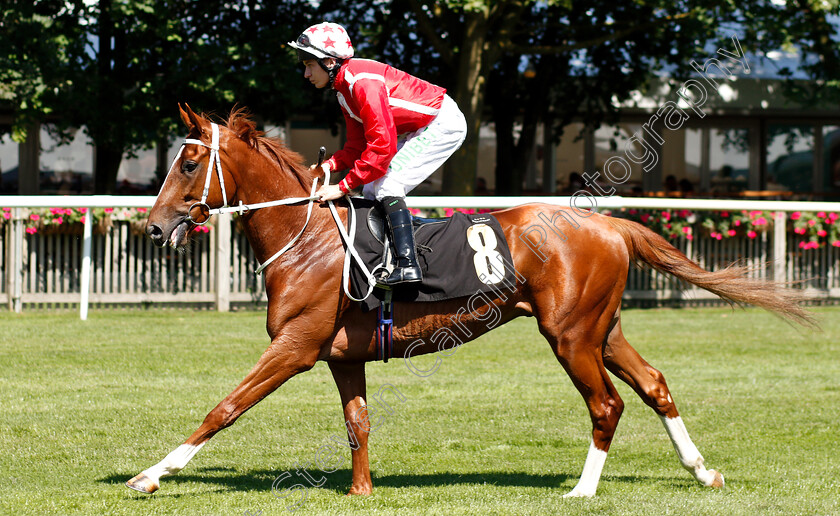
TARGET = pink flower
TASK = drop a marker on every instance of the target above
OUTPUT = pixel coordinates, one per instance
(7, 215)
(59, 220)
(687, 230)
(832, 216)
(7, 209)
(812, 222)
(724, 214)
(821, 214)
(684, 213)
(142, 210)
(752, 234)
(109, 210)
(34, 216)
(56, 211)
(667, 226)
(645, 217)
(447, 212)
(822, 233)
(414, 211)
(795, 215)
(731, 232)
(799, 231)
(737, 222)
(82, 210)
(83, 220)
(666, 215)
(813, 245)
(761, 221)
(836, 243)
(689, 236)
(31, 231)
(802, 245)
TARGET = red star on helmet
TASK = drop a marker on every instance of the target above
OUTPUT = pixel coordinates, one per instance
(313, 30)
(327, 28)
(329, 43)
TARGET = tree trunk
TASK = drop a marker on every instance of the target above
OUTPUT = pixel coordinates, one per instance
(105, 168)
(459, 178)
(504, 118)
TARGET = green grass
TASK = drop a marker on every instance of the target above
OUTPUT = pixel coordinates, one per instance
(499, 429)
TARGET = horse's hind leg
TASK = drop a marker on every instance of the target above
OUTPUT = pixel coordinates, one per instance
(623, 361)
(578, 349)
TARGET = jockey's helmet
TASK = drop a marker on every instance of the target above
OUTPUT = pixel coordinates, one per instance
(322, 41)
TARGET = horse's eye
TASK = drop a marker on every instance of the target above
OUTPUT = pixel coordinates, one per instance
(188, 166)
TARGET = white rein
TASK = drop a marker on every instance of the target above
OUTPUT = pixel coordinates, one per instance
(215, 161)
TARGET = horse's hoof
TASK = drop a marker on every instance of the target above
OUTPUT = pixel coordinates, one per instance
(143, 484)
(363, 491)
(576, 493)
(717, 481)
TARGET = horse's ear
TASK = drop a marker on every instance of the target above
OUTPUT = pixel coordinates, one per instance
(188, 116)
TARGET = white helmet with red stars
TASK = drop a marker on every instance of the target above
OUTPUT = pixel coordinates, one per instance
(324, 40)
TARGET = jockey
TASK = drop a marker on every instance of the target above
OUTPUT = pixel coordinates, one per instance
(400, 129)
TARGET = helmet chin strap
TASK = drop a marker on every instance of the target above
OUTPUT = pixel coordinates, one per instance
(331, 72)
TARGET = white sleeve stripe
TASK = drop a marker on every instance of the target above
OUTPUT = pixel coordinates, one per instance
(413, 106)
(395, 102)
(343, 102)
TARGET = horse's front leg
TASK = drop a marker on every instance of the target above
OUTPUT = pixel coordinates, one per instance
(350, 380)
(283, 359)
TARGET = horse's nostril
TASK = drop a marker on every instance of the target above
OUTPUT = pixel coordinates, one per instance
(154, 231)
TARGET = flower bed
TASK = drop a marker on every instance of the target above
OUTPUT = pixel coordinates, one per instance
(817, 229)
(71, 220)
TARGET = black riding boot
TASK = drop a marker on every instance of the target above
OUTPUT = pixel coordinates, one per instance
(402, 234)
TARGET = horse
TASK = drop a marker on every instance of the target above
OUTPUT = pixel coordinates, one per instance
(572, 284)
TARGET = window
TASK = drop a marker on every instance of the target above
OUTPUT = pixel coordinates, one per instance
(611, 141)
(8, 164)
(831, 158)
(729, 159)
(790, 158)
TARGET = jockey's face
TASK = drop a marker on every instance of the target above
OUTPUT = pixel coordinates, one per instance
(315, 74)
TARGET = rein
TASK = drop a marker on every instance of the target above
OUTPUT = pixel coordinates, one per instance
(205, 212)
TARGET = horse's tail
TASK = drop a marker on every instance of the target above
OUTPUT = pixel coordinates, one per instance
(731, 284)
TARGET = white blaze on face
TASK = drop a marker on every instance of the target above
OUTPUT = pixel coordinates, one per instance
(171, 167)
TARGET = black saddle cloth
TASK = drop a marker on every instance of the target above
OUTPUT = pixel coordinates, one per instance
(454, 263)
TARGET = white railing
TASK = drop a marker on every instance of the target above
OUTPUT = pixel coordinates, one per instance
(122, 266)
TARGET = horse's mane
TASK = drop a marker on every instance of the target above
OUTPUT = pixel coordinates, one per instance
(274, 149)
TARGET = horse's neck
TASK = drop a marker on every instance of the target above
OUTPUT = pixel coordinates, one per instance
(270, 229)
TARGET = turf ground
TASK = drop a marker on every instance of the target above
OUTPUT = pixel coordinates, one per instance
(498, 429)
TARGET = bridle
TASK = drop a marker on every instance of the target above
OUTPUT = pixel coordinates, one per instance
(204, 213)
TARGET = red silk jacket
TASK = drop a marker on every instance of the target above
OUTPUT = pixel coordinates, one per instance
(379, 102)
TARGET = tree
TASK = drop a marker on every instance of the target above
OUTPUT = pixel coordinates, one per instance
(119, 67)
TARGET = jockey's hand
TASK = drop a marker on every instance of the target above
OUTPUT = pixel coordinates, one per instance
(325, 168)
(329, 193)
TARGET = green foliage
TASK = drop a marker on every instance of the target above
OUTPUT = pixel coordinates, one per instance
(119, 67)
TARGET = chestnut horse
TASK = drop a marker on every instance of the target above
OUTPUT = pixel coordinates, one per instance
(572, 286)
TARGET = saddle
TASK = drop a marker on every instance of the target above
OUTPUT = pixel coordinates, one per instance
(459, 256)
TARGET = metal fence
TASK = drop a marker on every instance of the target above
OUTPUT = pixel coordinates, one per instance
(115, 264)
